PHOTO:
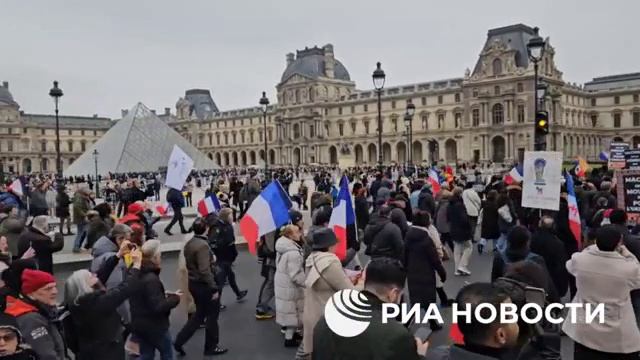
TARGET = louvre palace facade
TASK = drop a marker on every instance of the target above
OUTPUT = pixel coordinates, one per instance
(486, 115)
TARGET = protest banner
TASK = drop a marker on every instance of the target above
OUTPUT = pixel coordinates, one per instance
(629, 192)
(616, 155)
(178, 169)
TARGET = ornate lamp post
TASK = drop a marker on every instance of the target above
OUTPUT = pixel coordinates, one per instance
(264, 102)
(535, 48)
(408, 122)
(95, 159)
(56, 93)
(379, 78)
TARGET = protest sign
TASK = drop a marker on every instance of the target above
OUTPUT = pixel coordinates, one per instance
(542, 179)
(178, 169)
(616, 155)
(629, 192)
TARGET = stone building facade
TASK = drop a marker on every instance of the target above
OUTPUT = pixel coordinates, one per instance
(486, 115)
(28, 141)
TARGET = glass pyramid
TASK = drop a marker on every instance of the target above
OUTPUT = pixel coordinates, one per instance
(139, 142)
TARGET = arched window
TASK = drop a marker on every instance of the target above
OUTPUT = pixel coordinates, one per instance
(43, 146)
(497, 67)
(498, 114)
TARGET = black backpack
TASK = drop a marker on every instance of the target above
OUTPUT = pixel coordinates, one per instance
(69, 331)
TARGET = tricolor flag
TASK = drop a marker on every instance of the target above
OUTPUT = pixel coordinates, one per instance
(343, 219)
(604, 155)
(581, 167)
(434, 180)
(209, 205)
(574, 214)
(268, 212)
(16, 187)
(164, 209)
(515, 175)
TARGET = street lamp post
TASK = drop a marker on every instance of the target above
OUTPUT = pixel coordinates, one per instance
(379, 78)
(408, 121)
(535, 48)
(56, 93)
(95, 159)
(264, 102)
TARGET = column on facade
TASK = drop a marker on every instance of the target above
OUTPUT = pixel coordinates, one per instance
(484, 112)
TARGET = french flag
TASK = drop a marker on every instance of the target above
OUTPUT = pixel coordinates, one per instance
(434, 180)
(164, 209)
(343, 219)
(268, 212)
(16, 187)
(209, 205)
(574, 214)
(516, 175)
(604, 156)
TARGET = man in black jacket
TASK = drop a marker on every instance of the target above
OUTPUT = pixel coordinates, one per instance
(384, 281)
(223, 242)
(383, 237)
(545, 243)
(43, 243)
(132, 194)
(176, 200)
(205, 290)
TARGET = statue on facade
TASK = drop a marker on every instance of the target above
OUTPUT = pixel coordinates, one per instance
(345, 149)
(467, 73)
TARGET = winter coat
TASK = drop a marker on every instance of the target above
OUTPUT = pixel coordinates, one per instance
(472, 202)
(458, 220)
(38, 326)
(63, 201)
(325, 276)
(362, 211)
(24, 354)
(380, 341)
(43, 246)
(97, 323)
(422, 261)
(289, 283)
(98, 227)
(427, 202)
(133, 194)
(11, 228)
(399, 218)
(604, 277)
(38, 203)
(442, 222)
(488, 221)
(547, 245)
(80, 207)
(507, 219)
(150, 306)
(175, 199)
(222, 239)
(102, 250)
(383, 238)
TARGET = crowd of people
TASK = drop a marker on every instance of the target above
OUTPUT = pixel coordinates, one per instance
(407, 227)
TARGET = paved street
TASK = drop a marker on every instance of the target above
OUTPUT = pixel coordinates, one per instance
(249, 339)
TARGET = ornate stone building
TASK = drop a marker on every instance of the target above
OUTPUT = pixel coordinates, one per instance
(27, 141)
(487, 115)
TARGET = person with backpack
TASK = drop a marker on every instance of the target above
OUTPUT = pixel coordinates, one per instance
(223, 242)
(95, 321)
(382, 237)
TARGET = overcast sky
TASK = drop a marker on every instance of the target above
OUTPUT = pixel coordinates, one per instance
(108, 55)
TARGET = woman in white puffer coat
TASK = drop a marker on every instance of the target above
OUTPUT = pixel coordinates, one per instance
(289, 284)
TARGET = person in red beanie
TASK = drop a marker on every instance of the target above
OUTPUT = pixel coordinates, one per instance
(35, 313)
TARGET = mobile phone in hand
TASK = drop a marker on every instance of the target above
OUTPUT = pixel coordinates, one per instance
(423, 333)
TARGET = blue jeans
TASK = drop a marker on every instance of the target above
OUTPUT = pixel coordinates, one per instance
(164, 347)
(80, 235)
(501, 244)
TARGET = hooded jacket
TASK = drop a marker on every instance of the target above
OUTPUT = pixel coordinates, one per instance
(384, 238)
(289, 282)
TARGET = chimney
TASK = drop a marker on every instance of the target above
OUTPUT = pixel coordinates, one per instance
(124, 112)
(5, 84)
(167, 111)
(329, 61)
(153, 111)
(290, 58)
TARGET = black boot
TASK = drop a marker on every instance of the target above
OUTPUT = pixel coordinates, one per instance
(444, 299)
(434, 325)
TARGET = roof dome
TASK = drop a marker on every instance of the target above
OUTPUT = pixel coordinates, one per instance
(5, 96)
(311, 63)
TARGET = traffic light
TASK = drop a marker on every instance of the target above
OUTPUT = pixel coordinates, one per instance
(541, 130)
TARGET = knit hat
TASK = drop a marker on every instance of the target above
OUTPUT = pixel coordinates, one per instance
(135, 208)
(8, 322)
(323, 238)
(295, 216)
(32, 280)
